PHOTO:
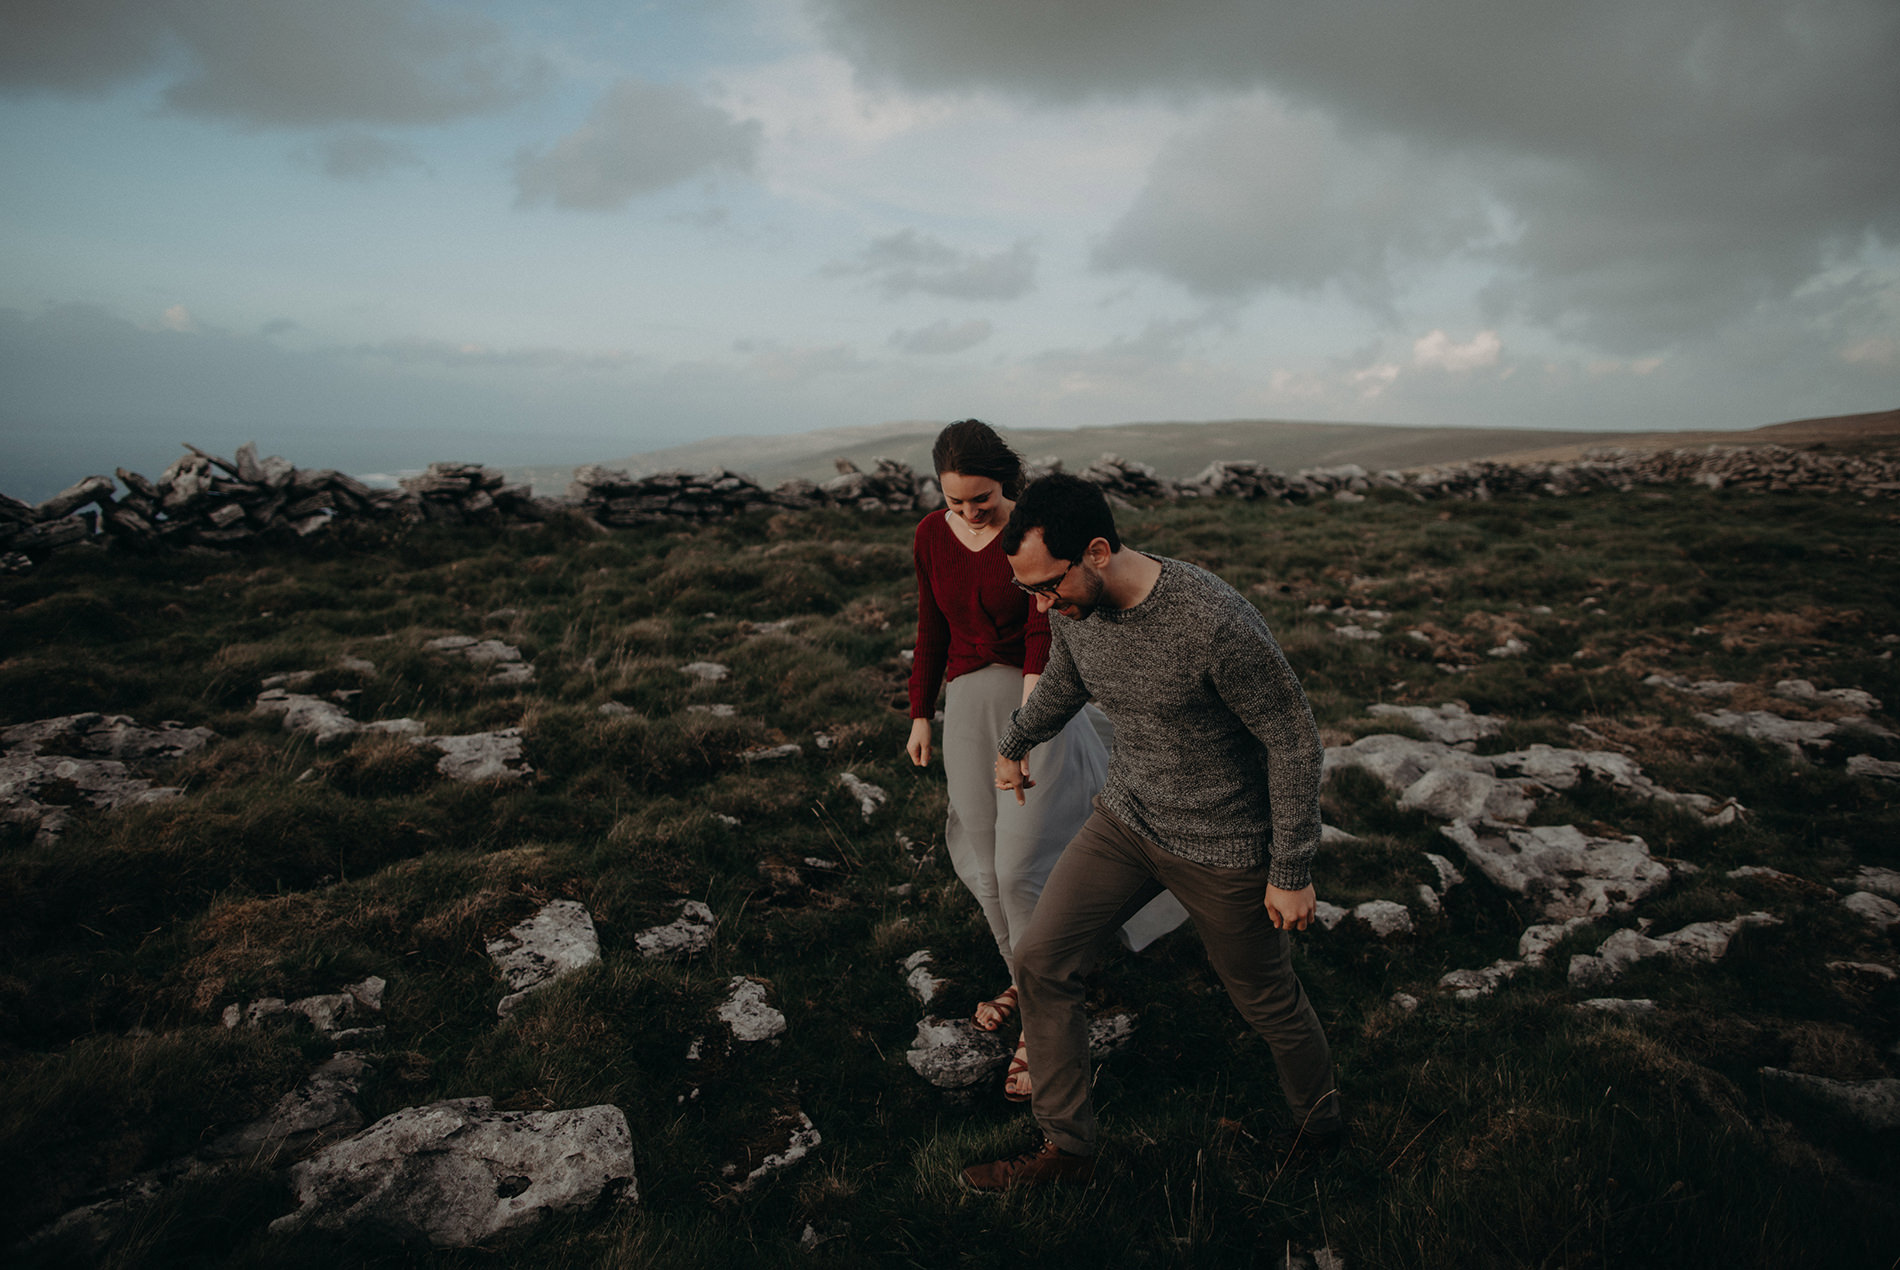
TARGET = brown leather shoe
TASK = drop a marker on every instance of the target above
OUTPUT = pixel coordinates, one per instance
(1032, 1168)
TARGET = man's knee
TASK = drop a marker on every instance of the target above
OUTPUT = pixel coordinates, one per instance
(1037, 961)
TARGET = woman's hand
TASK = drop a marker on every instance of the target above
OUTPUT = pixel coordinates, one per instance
(1013, 773)
(918, 747)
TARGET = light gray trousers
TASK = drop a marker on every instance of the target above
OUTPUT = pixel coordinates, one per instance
(1107, 873)
(1002, 852)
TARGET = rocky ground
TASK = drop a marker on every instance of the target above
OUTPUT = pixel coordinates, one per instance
(569, 895)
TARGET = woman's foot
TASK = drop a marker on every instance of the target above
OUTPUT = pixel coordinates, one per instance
(997, 1011)
(1016, 1086)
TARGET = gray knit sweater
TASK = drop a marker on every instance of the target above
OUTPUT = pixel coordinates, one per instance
(1216, 756)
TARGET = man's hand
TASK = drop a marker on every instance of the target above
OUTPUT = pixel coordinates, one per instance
(1290, 910)
(918, 747)
(1013, 773)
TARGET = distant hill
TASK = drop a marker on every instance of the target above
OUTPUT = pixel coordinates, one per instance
(1877, 430)
(1181, 449)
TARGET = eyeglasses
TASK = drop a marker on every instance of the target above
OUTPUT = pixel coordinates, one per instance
(1042, 588)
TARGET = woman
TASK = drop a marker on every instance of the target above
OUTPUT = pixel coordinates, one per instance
(980, 635)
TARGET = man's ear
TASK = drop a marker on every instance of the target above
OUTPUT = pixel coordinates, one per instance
(1097, 553)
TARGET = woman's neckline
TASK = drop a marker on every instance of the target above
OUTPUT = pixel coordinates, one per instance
(963, 541)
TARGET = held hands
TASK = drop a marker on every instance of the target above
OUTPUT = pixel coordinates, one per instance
(918, 747)
(1013, 773)
(1290, 910)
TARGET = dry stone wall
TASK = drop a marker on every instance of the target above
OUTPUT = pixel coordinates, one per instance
(206, 503)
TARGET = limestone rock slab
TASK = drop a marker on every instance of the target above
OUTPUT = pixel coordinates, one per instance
(923, 984)
(28, 783)
(1877, 909)
(1804, 690)
(1468, 985)
(870, 797)
(1697, 942)
(1559, 768)
(321, 1109)
(747, 1012)
(1876, 768)
(1385, 918)
(954, 1054)
(1872, 1104)
(113, 736)
(556, 941)
(1475, 797)
(801, 1138)
(323, 721)
(1873, 878)
(1627, 1007)
(1566, 872)
(1451, 723)
(1398, 761)
(1793, 735)
(687, 935)
(479, 756)
(452, 1174)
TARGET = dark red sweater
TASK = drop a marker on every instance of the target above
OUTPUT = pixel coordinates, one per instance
(968, 614)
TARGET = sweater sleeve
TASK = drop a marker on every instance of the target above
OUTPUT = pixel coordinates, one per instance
(932, 652)
(1058, 695)
(1256, 682)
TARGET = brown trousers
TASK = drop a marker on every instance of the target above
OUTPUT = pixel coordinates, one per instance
(1106, 874)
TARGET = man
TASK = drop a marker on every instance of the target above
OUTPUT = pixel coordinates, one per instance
(1213, 793)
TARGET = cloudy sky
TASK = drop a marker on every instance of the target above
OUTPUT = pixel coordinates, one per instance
(373, 233)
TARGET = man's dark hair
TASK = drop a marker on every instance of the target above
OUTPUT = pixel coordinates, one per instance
(971, 447)
(1071, 513)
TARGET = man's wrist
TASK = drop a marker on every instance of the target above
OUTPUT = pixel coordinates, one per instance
(1292, 878)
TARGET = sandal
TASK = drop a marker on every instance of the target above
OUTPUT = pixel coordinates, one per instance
(1018, 1066)
(1001, 1009)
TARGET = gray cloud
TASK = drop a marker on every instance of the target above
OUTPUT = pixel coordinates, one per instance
(77, 46)
(452, 356)
(1162, 344)
(775, 362)
(641, 138)
(359, 156)
(906, 262)
(943, 336)
(273, 62)
(1258, 197)
(1667, 163)
(87, 390)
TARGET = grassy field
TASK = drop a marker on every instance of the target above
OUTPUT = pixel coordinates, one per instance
(1510, 1131)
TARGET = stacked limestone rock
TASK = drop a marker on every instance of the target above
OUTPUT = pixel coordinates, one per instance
(616, 498)
(889, 486)
(204, 501)
(1229, 478)
(1770, 468)
(468, 493)
(208, 502)
(201, 500)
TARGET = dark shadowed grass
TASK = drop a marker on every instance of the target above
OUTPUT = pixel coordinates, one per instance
(1510, 1131)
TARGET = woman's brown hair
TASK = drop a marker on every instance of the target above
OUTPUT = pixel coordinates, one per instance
(972, 448)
